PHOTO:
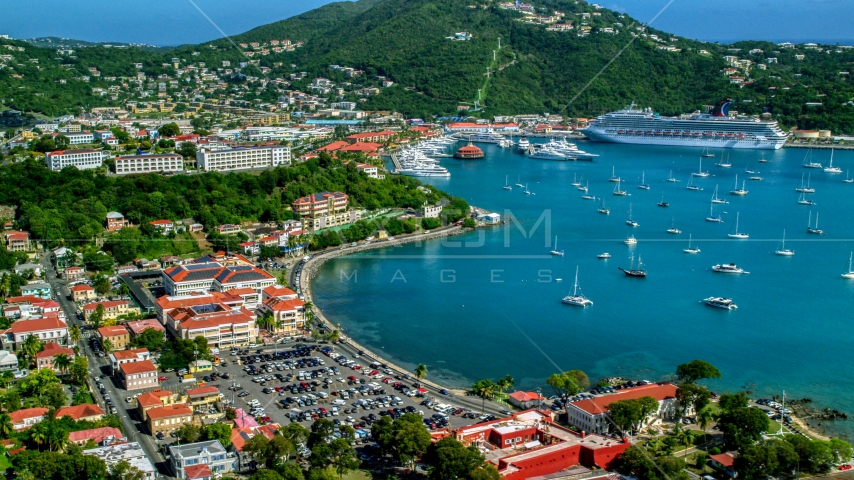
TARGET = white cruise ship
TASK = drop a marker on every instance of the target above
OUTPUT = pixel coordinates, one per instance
(714, 130)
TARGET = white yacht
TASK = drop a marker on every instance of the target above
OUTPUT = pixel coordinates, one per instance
(830, 168)
(425, 171)
(548, 154)
(691, 249)
(523, 145)
(738, 191)
(728, 268)
(555, 251)
(577, 298)
(721, 302)
(603, 256)
(737, 234)
(850, 272)
(643, 185)
(715, 198)
(783, 251)
(485, 137)
(673, 229)
(629, 220)
(803, 188)
(631, 240)
(700, 173)
(814, 230)
(808, 163)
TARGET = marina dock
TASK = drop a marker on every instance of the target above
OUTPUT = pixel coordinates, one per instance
(824, 146)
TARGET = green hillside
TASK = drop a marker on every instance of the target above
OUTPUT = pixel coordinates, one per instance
(535, 70)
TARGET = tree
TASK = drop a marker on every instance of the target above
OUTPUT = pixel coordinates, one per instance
(567, 384)
(289, 470)
(421, 371)
(6, 427)
(733, 401)
(256, 447)
(841, 449)
(484, 389)
(74, 334)
(96, 318)
(405, 439)
(625, 413)
(108, 345)
(122, 470)
(219, 431)
(169, 130)
(814, 455)
(265, 474)
(31, 347)
(79, 369)
(294, 432)
(62, 362)
(704, 418)
(634, 461)
(102, 286)
(188, 433)
(696, 370)
(505, 383)
(150, 338)
(448, 458)
(692, 395)
(742, 426)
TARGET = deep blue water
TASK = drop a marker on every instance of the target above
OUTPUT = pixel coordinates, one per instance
(494, 311)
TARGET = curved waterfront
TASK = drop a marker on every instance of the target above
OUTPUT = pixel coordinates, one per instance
(487, 309)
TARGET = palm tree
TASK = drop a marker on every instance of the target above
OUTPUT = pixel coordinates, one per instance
(264, 320)
(309, 313)
(704, 418)
(6, 427)
(108, 345)
(421, 371)
(62, 362)
(37, 436)
(504, 384)
(74, 334)
(31, 347)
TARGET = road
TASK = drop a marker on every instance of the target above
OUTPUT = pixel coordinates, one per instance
(133, 427)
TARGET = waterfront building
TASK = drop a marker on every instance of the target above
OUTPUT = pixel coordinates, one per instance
(240, 158)
(287, 308)
(591, 415)
(83, 159)
(212, 276)
(162, 163)
(320, 204)
(222, 325)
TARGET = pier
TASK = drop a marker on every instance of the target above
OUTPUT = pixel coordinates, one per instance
(395, 161)
(812, 145)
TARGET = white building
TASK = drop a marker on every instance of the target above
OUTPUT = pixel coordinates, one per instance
(79, 138)
(47, 127)
(243, 158)
(591, 415)
(167, 162)
(431, 211)
(129, 452)
(82, 159)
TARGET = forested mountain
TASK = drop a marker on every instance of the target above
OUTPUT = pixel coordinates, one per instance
(535, 71)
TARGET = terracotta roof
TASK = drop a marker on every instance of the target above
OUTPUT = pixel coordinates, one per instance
(362, 147)
(243, 291)
(319, 198)
(137, 367)
(81, 288)
(79, 411)
(97, 435)
(198, 471)
(112, 331)
(279, 305)
(202, 391)
(724, 459)
(52, 348)
(26, 326)
(275, 291)
(331, 147)
(195, 271)
(160, 222)
(169, 411)
(129, 354)
(524, 396)
(140, 326)
(153, 398)
(239, 436)
(21, 415)
(600, 404)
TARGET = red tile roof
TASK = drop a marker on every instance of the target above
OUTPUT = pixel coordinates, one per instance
(600, 404)
(362, 147)
(331, 147)
(92, 306)
(278, 305)
(27, 326)
(112, 331)
(140, 326)
(97, 435)
(21, 415)
(79, 411)
(198, 471)
(137, 367)
(52, 348)
(524, 396)
(167, 411)
(274, 291)
(129, 354)
(81, 288)
(202, 391)
(152, 398)
(724, 459)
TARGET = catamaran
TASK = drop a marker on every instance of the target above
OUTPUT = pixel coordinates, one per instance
(830, 168)
(804, 200)
(629, 220)
(850, 272)
(643, 185)
(808, 163)
(805, 189)
(617, 191)
(691, 249)
(671, 179)
(673, 229)
(783, 251)
(577, 298)
(740, 236)
(700, 173)
(614, 177)
(634, 272)
(736, 190)
(712, 217)
(728, 268)
(715, 198)
(555, 251)
(810, 229)
(507, 185)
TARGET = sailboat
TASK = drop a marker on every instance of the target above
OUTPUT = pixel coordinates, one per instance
(577, 298)
(673, 229)
(662, 203)
(643, 185)
(507, 185)
(617, 191)
(707, 153)
(587, 195)
(805, 189)
(526, 190)
(810, 229)
(575, 181)
(671, 179)
(736, 190)
(748, 170)
(629, 220)
(614, 178)
(740, 236)
(847, 178)
(603, 209)
(830, 168)
(690, 186)
(850, 272)
(805, 201)
(700, 173)
(808, 163)
(555, 251)
(715, 198)
(634, 272)
(583, 188)
(517, 183)
(712, 217)
(782, 250)
(724, 163)
(763, 159)
(691, 249)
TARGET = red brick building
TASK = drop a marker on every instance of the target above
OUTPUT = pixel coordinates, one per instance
(376, 137)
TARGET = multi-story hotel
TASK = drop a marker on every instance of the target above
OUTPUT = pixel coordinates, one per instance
(212, 276)
(240, 158)
(222, 325)
(83, 159)
(287, 309)
(166, 162)
(319, 204)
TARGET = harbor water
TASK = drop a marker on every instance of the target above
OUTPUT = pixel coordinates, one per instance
(488, 303)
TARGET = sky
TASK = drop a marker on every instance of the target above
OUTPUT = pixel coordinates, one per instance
(174, 22)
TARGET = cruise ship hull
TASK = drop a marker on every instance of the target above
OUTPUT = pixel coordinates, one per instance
(684, 141)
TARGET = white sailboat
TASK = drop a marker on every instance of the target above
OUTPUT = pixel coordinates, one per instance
(629, 220)
(830, 168)
(691, 249)
(587, 195)
(724, 163)
(848, 179)
(673, 229)
(707, 153)
(715, 198)
(583, 188)
(643, 185)
(808, 163)
(555, 251)
(691, 186)
(617, 191)
(526, 190)
(783, 251)
(712, 217)
(850, 272)
(814, 230)
(662, 203)
(740, 236)
(603, 209)
(805, 189)
(507, 185)
(671, 179)
(575, 181)
(700, 173)
(577, 298)
(804, 200)
(614, 177)
(738, 191)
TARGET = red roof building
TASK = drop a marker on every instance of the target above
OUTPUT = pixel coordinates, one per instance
(590, 414)
(382, 136)
(27, 417)
(84, 411)
(138, 326)
(361, 147)
(97, 435)
(46, 358)
(138, 375)
(320, 204)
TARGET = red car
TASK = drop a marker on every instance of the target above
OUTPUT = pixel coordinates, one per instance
(845, 467)
(351, 377)
(267, 419)
(278, 389)
(387, 380)
(162, 379)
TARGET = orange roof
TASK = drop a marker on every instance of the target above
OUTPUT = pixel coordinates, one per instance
(79, 411)
(279, 305)
(724, 459)
(362, 147)
(239, 436)
(331, 147)
(81, 288)
(52, 348)
(166, 302)
(95, 434)
(167, 411)
(137, 367)
(524, 396)
(198, 471)
(129, 354)
(274, 291)
(26, 326)
(599, 405)
(21, 415)
(148, 399)
(112, 331)
(160, 222)
(202, 391)
(242, 291)
(140, 326)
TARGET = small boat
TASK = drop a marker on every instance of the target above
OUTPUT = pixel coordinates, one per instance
(577, 298)
(587, 196)
(629, 220)
(670, 178)
(830, 168)
(507, 185)
(712, 217)
(691, 249)
(614, 177)
(673, 229)
(763, 159)
(690, 186)
(603, 209)
(720, 302)
(583, 188)
(517, 183)
(715, 198)
(805, 189)
(724, 163)
(643, 185)
(850, 272)
(738, 191)
(805, 201)
(662, 203)
(755, 177)
(847, 178)
(634, 272)
(748, 170)
(707, 153)
(700, 173)
(810, 229)
(740, 236)
(617, 191)
(783, 251)
(631, 240)
(575, 182)
(603, 256)
(526, 190)
(728, 268)
(808, 163)
(555, 251)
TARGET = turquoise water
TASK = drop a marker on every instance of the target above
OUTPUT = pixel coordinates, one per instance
(493, 307)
